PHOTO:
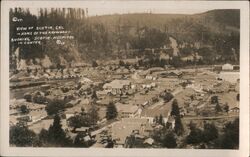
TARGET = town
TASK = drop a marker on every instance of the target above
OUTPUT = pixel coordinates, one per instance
(108, 105)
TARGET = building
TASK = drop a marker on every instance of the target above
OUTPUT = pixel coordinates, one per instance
(171, 74)
(122, 129)
(117, 87)
(230, 76)
(71, 112)
(227, 67)
(127, 111)
(235, 110)
(82, 129)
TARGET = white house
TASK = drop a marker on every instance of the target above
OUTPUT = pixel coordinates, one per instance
(227, 67)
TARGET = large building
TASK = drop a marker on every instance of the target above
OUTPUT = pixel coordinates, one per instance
(117, 87)
(127, 111)
(227, 67)
(230, 76)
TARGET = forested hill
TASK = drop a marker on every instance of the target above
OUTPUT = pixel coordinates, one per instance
(215, 19)
(213, 37)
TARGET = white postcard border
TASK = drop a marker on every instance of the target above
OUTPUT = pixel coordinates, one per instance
(244, 86)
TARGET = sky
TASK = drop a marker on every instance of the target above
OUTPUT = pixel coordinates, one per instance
(121, 7)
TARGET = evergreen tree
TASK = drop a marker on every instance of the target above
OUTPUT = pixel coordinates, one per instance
(94, 96)
(175, 109)
(57, 136)
(55, 106)
(121, 63)
(94, 64)
(230, 137)
(43, 137)
(210, 132)
(81, 142)
(226, 108)
(77, 121)
(24, 109)
(169, 140)
(195, 135)
(161, 121)
(178, 126)
(111, 112)
(214, 100)
(156, 119)
(176, 114)
(93, 115)
(167, 96)
(21, 136)
(218, 108)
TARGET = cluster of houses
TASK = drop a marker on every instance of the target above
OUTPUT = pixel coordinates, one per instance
(34, 112)
(131, 91)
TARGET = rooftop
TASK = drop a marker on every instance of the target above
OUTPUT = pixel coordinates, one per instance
(126, 108)
(117, 84)
(122, 129)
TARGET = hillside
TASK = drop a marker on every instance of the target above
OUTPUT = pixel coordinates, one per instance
(215, 19)
(212, 36)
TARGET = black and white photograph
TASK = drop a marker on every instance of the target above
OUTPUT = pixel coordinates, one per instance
(125, 75)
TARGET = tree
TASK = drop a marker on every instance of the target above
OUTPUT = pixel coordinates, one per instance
(169, 140)
(93, 115)
(218, 108)
(21, 136)
(130, 141)
(84, 119)
(230, 137)
(161, 121)
(121, 63)
(176, 114)
(94, 96)
(156, 119)
(77, 121)
(54, 107)
(214, 100)
(167, 96)
(111, 112)
(195, 135)
(94, 64)
(39, 99)
(175, 109)
(110, 143)
(43, 137)
(56, 134)
(28, 97)
(24, 109)
(178, 126)
(226, 108)
(81, 142)
(210, 132)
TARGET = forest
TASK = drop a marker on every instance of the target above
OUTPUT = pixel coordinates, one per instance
(109, 37)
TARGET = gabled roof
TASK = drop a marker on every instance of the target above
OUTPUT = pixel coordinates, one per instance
(126, 108)
(117, 84)
(149, 141)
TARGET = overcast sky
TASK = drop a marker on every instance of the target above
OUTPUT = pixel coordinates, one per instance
(120, 7)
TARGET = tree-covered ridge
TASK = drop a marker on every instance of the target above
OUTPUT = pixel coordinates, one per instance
(214, 35)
